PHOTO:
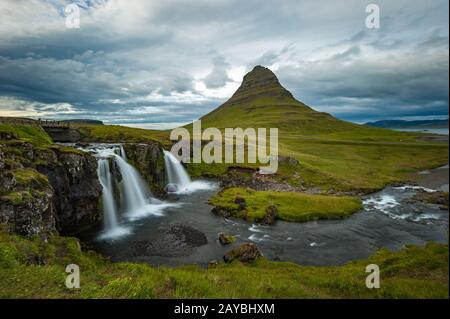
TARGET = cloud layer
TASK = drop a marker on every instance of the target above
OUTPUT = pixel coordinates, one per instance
(164, 63)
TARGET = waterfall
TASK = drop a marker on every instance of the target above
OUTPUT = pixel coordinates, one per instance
(122, 153)
(109, 207)
(135, 199)
(176, 174)
(136, 193)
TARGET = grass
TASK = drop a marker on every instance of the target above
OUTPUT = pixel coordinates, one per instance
(117, 133)
(31, 268)
(29, 177)
(27, 133)
(292, 206)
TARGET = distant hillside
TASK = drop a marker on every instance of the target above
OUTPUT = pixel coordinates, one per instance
(84, 121)
(410, 124)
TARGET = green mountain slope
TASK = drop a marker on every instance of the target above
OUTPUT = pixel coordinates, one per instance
(333, 154)
(261, 101)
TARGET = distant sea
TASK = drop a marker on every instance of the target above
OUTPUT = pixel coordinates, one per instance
(442, 131)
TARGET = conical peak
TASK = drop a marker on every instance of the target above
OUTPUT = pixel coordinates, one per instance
(259, 76)
(258, 82)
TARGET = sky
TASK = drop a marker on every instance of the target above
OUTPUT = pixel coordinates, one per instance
(163, 63)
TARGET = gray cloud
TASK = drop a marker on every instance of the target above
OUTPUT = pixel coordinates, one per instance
(150, 62)
(218, 76)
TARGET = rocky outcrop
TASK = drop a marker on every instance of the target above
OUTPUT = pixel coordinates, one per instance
(148, 158)
(63, 134)
(247, 252)
(436, 198)
(250, 178)
(226, 239)
(47, 188)
(73, 176)
(271, 215)
(26, 205)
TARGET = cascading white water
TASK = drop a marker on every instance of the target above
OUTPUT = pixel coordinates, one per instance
(136, 193)
(176, 174)
(122, 153)
(134, 199)
(109, 206)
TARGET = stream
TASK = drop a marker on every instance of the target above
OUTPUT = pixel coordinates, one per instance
(181, 229)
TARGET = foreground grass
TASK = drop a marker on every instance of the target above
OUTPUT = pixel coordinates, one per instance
(293, 207)
(31, 268)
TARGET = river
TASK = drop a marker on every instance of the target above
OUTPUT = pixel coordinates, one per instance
(186, 232)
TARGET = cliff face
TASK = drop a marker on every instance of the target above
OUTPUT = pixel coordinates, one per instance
(73, 177)
(47, 189)
(148, 159)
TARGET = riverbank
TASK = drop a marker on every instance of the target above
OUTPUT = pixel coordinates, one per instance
(31, 268)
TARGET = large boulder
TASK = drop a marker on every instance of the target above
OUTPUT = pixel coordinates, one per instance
(247, 252)
(226, 239)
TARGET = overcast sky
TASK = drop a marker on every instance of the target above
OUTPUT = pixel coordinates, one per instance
(162, 63)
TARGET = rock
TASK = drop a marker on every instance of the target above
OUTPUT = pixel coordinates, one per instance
(77, 191)
(247, 252)
(65, 200)
(2, 159)
(221, 212)
(7, 181)
(240, 201)
(28, 212)
(213, 264)
(171, 188)
(148, 158)
(437, 198)
(271, 215)
(170, 241)
(82, 144)
(226, 239)
(7, 136)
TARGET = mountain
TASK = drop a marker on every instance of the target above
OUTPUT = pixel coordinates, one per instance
(333, 154)
(261, 101)
(424, 124)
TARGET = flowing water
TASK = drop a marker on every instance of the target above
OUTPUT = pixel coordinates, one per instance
(185, 231)
(126, 197)
(179, 180)
(109, 206)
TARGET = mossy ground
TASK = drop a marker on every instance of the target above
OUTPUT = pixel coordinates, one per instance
(26, 133)
(116, 134)
(31, 268)
(292, 206)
